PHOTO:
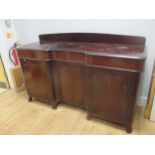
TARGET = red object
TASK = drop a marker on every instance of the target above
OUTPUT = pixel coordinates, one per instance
(15, 56)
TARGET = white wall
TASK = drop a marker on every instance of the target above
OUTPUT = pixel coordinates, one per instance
(5, 45)
(28, 31)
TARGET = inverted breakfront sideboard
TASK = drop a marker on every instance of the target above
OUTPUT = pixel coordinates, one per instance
(96, 72)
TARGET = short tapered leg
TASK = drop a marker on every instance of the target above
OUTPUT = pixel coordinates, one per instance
(89, 116)
(55, 106)
(128, 129)
(30, 99)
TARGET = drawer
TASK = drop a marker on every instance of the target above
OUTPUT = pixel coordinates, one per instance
(69, 56)
(116, 63)
(33, 54)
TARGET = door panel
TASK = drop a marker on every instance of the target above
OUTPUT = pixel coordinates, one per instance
(71, 83)
(38, 79)
(107, 94)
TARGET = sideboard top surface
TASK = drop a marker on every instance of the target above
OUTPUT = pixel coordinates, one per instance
(92, 44)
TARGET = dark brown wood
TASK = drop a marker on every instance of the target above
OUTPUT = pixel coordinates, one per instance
(96, 72)
(112, 94)
(69, 56)
(91, 37)
(35, 55)
(30, 99)
(71, 83)
(115, 63)
(38, 79)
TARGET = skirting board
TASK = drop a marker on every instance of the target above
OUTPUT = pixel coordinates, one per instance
(141, 101)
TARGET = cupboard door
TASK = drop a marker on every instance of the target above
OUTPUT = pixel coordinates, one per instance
(70, 83)
(38, 79)
(110, 92)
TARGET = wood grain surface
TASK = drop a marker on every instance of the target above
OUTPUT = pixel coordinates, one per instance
(18, 116)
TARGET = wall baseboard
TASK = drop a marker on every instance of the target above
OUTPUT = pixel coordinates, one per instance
(141, 101)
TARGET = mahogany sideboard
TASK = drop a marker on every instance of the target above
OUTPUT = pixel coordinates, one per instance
(97, 72)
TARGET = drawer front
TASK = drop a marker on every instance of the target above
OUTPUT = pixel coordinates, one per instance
(116, 63)
(69, 56)
(33, 54)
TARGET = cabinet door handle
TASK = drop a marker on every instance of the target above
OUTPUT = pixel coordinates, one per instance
(124, 87)
(23, 60)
